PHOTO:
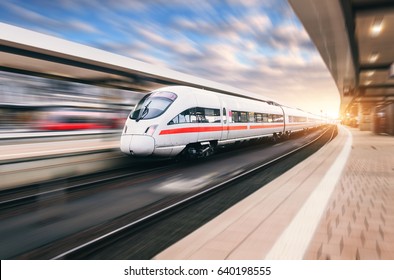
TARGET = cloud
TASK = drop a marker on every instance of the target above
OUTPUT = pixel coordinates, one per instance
(29, 16)
(82, 26)
(291, 37)
(255, 45)
(154, 38)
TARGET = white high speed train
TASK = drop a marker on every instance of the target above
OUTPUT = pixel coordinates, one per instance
(178, 120)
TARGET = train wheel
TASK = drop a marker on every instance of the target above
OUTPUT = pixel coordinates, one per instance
(198, 150)
(275, 138)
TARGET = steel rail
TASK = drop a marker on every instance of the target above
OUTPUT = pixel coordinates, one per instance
(19, 200)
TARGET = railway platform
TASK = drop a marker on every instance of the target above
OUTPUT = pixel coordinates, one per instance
(337, 204)
(24, 163)
(54, 147)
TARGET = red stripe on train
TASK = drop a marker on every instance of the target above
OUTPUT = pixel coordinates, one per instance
(213, 128)
(265, 126)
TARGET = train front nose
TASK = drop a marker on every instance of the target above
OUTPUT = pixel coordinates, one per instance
(137, 145)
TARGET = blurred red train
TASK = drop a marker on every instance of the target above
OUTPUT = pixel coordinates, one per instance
(77, 119)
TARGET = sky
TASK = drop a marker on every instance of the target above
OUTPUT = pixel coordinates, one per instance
(255, 45)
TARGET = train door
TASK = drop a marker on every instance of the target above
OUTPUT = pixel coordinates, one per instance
(209, 117)
(225, 121)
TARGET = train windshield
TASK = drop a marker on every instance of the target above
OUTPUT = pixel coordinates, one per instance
(153, 105)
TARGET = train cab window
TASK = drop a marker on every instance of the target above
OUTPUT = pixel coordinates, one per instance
(153, 105)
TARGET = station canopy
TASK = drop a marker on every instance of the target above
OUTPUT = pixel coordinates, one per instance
(356, 41)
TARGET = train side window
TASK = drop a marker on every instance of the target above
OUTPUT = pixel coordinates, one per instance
(235, 115)
(230, 116)
(182, 118)
(251, 117)
(224, 116)
(193, 117)
(299, 119)
(244, 117)
(278, 118)
(207, 115)
(200, 115)
(265, 118)
(186, 116)
(174, 120)
(241, 117)
(258, 117)
(270, 118)
(212, 115)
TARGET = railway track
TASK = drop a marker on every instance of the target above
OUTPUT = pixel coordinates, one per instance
(153, 231)
(15, 197)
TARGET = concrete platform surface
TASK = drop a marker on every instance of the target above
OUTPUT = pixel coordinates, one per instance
(52, 148)
(337, 204)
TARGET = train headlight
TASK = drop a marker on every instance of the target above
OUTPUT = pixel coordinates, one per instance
(150, 130)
